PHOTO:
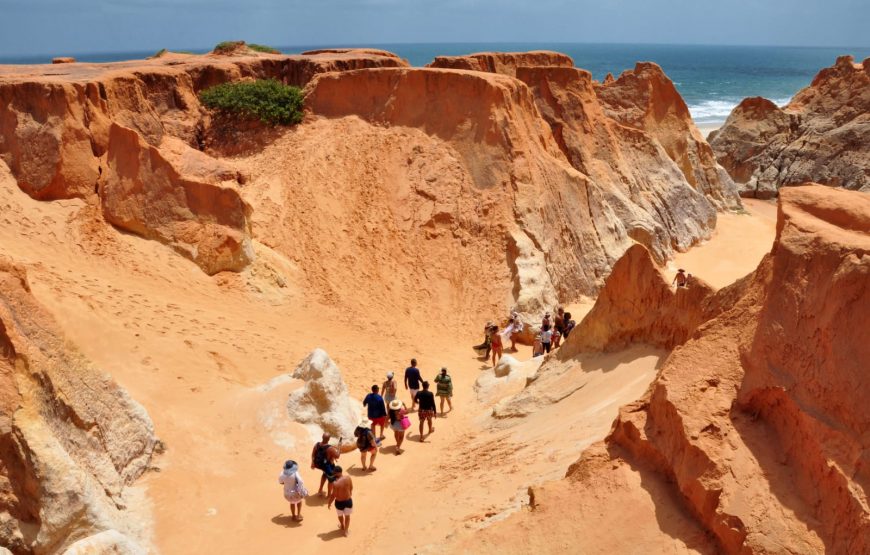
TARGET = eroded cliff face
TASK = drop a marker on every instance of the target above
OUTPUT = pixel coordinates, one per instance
(56, 129)
(71, 440)
(505, 63)
(565, 183)
(754, 432)
(821, 135)
(543, 143)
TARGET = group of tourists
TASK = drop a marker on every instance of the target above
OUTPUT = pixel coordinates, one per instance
(548, 336)
(383, 408)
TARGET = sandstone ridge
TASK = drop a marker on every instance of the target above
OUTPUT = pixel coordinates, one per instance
(821, 135)
(59, 136)
(753, 434)
(511, 136)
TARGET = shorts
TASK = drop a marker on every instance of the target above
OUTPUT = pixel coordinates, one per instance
(414, 393)
(372, 449)
(397, 426)
(389, 398)
(426, 414)
(344, 507)
(329, 472)
(382, 421)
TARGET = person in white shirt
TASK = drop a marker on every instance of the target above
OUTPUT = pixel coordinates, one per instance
(294, 488)
(546, 337)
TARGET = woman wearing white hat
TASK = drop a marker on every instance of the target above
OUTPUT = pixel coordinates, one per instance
(294, 489)
(390, 388)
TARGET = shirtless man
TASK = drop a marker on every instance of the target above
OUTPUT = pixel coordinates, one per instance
(342, 494)
(680, 278)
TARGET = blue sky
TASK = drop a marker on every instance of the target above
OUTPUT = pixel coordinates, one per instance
(82, 26)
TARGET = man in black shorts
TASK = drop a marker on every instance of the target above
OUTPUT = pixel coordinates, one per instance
(342, 494)
(412, 381)
(427, 408)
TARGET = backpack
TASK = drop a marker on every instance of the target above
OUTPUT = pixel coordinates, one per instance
(363, 438)
(320, 458)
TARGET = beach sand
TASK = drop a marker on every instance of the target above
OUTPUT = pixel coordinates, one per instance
(198, 351)
(707, 128)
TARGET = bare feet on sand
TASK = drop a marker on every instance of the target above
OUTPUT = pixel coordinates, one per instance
(371, 469)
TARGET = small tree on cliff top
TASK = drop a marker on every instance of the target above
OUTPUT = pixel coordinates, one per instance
(268, 100)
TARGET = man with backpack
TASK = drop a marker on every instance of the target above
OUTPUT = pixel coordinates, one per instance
(323, 458)
(367, 443)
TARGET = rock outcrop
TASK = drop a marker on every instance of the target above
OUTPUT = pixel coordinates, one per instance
(563, 218)
(145, 193)
(323, 401)
(754, 431)
(70, 439)
(821, 135)
(57, 130)
(506, 63)
(646, 99)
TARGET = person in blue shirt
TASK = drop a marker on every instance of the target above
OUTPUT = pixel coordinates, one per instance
(377, 410)
(413, 381)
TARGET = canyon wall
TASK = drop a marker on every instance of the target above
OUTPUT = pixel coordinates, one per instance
(821, 135)
(753, 435)
(71, 441)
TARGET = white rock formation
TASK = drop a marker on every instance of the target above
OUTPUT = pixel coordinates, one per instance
(323, 402)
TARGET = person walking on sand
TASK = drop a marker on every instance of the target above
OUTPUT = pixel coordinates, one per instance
(497, 346)
(412, 381)
(390, 389)
(399, 422)
(426, 401)
(367, 444)
(342, 495)
(294, 488)
(323, 457)
(377, 410)
(546, 337)
(444, 389)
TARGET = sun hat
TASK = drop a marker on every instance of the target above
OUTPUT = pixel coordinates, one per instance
(365, 422)
(395, 404)
(390, 375)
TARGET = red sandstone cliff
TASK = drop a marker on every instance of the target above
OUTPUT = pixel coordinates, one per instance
(754, 433)
(822, 135)
(55, 137)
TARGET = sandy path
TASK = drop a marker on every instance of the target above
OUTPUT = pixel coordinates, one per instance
(196, 350)
(738, 244)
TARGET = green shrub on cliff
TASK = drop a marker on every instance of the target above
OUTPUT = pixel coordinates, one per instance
(263, 48)
(268, 100)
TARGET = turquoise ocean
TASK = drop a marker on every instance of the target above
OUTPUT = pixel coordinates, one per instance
(712, 79)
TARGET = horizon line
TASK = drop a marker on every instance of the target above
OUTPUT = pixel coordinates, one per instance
(201, 50)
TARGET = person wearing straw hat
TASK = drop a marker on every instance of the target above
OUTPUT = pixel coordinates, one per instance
(399, 422)
(294, 488)
(367, 443)
(680, 279)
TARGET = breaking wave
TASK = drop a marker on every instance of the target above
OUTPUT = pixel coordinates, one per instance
(717, 111)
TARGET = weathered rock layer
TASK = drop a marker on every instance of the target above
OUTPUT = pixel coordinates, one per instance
(755, 429)
(821, 135)
(70, 439)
